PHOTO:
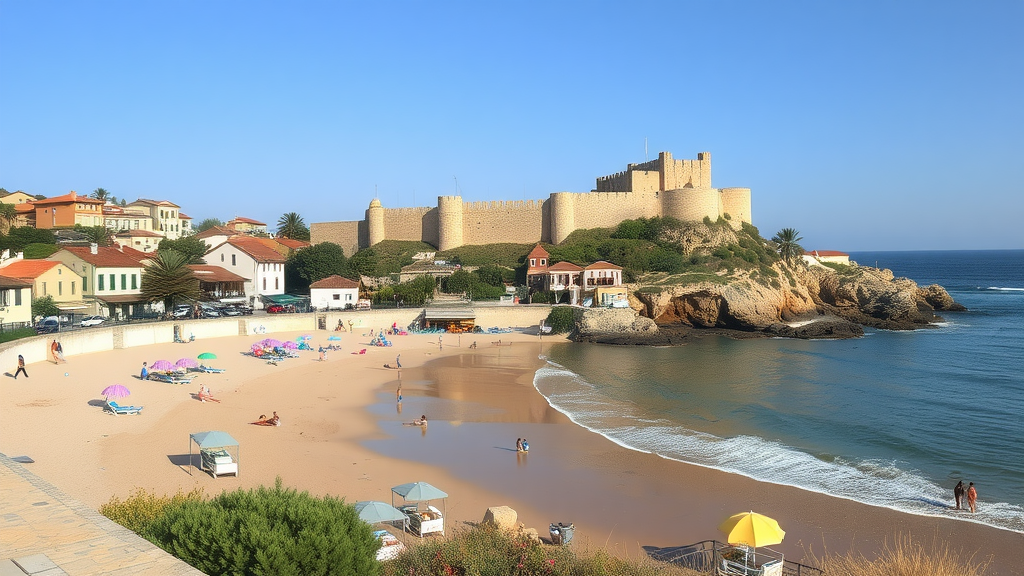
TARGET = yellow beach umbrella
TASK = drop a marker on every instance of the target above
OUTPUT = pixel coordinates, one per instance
(752, 529)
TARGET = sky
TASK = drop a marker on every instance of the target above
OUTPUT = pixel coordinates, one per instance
(864, 125)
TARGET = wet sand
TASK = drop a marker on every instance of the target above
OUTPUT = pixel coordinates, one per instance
(342, 434)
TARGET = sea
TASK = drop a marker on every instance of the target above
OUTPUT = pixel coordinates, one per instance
(891, 419)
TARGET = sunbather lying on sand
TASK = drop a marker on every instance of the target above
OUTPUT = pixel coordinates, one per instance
(274, 420)
(421, 422)
(204, 395)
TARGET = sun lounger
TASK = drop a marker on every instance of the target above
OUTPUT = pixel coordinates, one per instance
(170, 378)
(218, 462)
(209, 370)
(118, 409)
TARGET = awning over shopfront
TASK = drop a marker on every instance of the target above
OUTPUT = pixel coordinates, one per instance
(286, 299)
(72, 306)
(122, 299)
(451, 319)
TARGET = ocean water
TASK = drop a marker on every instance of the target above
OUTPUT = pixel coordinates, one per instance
(892, 419)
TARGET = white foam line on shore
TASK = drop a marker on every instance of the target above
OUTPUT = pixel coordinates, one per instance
(781, 461)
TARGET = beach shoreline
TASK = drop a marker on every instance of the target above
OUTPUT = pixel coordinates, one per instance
(342, 435)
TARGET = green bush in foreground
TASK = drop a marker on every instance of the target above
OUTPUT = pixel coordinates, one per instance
(261, 531)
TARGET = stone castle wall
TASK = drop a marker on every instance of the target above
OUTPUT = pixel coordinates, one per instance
(661, 187)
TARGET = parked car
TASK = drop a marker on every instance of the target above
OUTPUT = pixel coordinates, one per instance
(183, 312)
(230, 311)
(275, 309)
(211, 312)
(48, 325)
(92, 321)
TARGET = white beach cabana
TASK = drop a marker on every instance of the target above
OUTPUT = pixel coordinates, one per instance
(214, 456)
(426, 519)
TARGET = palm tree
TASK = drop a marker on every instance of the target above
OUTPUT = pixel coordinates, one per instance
(8, 214)
(168, 278)
(291, 225)
(787, 242)
(100, 194)
(99, 234)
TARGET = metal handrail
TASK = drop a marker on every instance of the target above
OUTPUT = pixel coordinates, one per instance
(700, 557)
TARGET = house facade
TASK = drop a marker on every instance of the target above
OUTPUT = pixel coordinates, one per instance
(261, 266)
(15, 302)
(141, 240)
(334, 293)
(246, 226)
(217, 283)
(166, 216)
(47, 277)
(111, 279)
(68, 210)
(817, 257)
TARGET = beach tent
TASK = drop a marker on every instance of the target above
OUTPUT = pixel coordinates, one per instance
(418, 492)
(209, 441)
(373, 512)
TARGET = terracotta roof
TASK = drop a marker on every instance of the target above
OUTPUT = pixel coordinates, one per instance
(246, 221)
(825, 253)
(69, 198)
(538, 252)
(602, 265)
(564, 267)
(215, 231)
(25, 207)
(183, 216)
(105, 256)
(335, 281)
(208, 273)
(138, 255)
(138, 234)
(292, 243)
(8, 282)
(253, 247)
(155, 202)
(27, 268)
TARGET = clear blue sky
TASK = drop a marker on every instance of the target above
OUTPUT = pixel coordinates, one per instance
(864, 125)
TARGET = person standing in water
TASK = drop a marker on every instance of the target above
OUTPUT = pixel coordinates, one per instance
(958, 493)
(972, 498)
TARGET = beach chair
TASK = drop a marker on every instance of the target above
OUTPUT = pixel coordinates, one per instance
(210, 370)
(116, 408)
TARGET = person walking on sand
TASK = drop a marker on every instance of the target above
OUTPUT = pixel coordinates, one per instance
(972, 498)
(53, 352)
(21, 367)
(958, 493)
(398, 361)
(60, 352)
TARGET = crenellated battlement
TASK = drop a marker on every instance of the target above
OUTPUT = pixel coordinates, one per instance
(659, 187)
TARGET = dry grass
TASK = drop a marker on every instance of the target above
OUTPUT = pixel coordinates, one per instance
(905, 558)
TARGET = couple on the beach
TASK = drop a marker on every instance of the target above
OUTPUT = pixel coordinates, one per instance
(522, 445)
(274, 420)
(972, 495)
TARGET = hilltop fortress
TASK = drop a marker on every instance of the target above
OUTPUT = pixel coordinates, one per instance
(662, 187)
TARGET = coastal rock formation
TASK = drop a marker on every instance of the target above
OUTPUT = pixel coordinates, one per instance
(614, 326)
(799, 302)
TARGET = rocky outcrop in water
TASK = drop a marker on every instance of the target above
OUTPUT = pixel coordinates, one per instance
(799, 302)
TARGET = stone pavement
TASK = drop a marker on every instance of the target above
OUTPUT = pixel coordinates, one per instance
(45, 532)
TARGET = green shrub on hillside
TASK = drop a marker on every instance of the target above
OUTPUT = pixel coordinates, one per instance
(560, 320)
(267, 531)
(387, 257)
(412, 293)
(499, 254)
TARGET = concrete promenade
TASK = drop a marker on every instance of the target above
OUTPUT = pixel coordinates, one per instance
(45, 532)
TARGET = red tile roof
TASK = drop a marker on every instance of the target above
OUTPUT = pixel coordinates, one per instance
(27, 268)
(253, 247)
(242, 220)
(8, 282)
(293, 244)
(183, 216)
(335, 281)
(215, 231)
(825, 253)
(138, 234)
(564, 267)
(106, 257)
(208, 273)
(538, 252)
(155, 202)
(138, 255)
(602, 265)
(69, 198)
(25, 207)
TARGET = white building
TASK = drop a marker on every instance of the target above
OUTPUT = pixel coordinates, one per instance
(334, 292)
(261, 266)
(817, 257)
(15, 302)
(111, 277)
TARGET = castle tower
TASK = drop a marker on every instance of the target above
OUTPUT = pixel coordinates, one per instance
(736, 203)
(691, 204)
(375, 221)
(563, 216)
(449, 222)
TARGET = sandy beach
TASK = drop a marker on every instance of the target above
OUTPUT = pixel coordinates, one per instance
(342, 434)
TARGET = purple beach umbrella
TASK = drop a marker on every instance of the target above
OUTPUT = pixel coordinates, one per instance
(290, 345)
(186, 363)
(271, 343)
(116, 391)
(162, 365)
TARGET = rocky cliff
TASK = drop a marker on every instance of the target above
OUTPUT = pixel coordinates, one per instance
(799, 302)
